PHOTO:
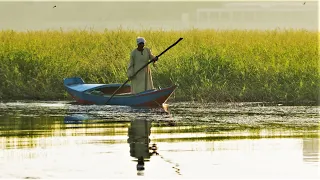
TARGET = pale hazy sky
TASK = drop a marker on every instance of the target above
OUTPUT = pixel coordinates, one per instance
(169, 15)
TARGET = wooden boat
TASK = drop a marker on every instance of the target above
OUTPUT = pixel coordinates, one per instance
(100, 93)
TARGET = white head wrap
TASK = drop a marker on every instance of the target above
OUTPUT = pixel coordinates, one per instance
(141, 40)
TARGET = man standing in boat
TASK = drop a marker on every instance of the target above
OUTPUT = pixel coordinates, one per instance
(139, 57)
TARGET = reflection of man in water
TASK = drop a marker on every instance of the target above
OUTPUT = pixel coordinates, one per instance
(139, 132)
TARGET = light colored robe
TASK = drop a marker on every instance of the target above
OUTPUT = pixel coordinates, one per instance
(143, 79)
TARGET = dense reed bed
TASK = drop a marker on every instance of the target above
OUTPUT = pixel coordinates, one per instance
(209, 65)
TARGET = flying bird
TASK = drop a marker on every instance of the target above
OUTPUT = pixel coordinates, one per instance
(54, 6)
(304, 3)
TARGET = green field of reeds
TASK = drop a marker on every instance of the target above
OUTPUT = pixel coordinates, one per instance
(208, 65)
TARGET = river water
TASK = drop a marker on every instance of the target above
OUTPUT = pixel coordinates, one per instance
(54, 140)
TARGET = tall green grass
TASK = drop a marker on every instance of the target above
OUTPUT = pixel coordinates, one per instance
(208, 65)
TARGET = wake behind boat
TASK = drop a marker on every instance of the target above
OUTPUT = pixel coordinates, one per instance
(100, 94)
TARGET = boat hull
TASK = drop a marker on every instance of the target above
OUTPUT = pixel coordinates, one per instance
(84, 94)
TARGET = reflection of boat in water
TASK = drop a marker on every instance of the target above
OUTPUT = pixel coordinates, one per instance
(138, 133)
(75, 119)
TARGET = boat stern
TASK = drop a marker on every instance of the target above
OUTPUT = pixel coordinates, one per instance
(157, 98)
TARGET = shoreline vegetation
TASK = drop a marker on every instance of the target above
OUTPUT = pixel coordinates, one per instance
(279, 65)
